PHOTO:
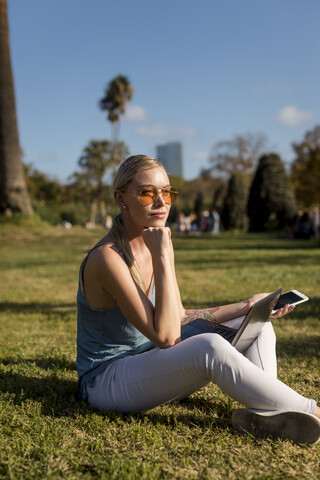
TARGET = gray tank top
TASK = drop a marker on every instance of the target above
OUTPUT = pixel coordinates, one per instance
(103, 336)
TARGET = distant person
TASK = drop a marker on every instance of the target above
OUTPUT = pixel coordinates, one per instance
(193, 222)
(108, 222)
(204, 225)
(187, 222)
(131, 351)
(215, 222)
(180, 223)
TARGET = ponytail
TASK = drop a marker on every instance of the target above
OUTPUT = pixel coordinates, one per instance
(120, 239)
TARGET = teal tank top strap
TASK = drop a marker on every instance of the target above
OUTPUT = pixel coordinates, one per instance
(109, 243)
(86, 258)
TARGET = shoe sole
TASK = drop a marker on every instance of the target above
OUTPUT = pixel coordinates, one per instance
(299, 427)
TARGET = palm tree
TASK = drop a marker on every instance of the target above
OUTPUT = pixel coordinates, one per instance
(95, 163)
(118, 93)
(13, 191)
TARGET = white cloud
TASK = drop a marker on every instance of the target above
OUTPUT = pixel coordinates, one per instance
(165, 131)
(135, 113)
(291, 116)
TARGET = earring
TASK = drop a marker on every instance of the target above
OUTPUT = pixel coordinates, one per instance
(124, 206)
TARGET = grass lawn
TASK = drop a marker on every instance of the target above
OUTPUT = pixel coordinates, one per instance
(45, 433)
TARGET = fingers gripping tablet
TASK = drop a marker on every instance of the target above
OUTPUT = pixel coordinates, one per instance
(292, 297)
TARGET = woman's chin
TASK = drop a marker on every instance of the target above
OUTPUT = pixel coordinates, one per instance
(157, 221)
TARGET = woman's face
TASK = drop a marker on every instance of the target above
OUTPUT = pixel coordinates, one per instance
(156, 213)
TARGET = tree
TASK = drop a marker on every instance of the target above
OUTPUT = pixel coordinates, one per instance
(305, 172)
(41, 187)
(271, 200)
(237, 155)
(219, 196)
(234, 214)
(13, 192)
(198, 207)
(88, 184)
(118, 93)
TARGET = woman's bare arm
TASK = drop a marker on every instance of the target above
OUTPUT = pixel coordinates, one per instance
(108, 276)
(167, 314)
(217, 314)
(229, 312)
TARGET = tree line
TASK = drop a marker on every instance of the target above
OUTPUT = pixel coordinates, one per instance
(260, 191)
(253, 194)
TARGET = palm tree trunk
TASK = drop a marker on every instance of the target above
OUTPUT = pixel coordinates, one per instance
(13, 192)
(115, 145)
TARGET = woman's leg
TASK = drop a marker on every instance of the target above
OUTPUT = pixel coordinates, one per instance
(262, 352)
(144, 381)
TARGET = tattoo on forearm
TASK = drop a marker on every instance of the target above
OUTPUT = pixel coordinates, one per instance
(206, 314)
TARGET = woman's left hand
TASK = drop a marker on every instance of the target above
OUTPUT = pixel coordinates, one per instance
(278, 314)
(282, 311)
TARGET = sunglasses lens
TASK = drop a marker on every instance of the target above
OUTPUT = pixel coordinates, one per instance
(169, 196)
(173, 195)
(166, 195)
(147, 197)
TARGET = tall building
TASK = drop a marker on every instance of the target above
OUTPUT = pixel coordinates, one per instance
(170, 155)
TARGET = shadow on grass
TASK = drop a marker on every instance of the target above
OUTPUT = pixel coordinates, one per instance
(37, 307)
(300, 347)
(58, 395)
(194, 412)
(58, 398)
(45, 363)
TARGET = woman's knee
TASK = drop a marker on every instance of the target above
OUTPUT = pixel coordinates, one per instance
(268, 332)
(215, 355)
(268, 327)
(212, 346)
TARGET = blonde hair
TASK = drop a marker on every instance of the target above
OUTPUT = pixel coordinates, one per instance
(126, 173)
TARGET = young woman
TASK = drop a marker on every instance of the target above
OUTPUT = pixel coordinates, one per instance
(132, 350)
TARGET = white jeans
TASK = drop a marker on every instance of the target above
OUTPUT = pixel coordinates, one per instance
(158, 376)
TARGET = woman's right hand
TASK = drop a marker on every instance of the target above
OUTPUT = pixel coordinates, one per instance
(157, 239)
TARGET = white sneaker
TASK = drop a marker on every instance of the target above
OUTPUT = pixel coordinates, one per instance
(299, 427)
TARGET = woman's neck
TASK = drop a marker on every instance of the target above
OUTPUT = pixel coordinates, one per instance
(134, 236)
(138, 247)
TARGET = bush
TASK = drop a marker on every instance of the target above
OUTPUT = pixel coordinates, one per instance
(76, 213)
(271, 201)
(234, 214)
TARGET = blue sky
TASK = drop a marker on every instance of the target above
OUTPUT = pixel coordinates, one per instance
(203, 71)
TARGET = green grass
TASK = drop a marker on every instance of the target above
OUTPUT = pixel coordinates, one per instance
(45, 433)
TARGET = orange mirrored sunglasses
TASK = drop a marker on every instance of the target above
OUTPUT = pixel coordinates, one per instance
(149, 195)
